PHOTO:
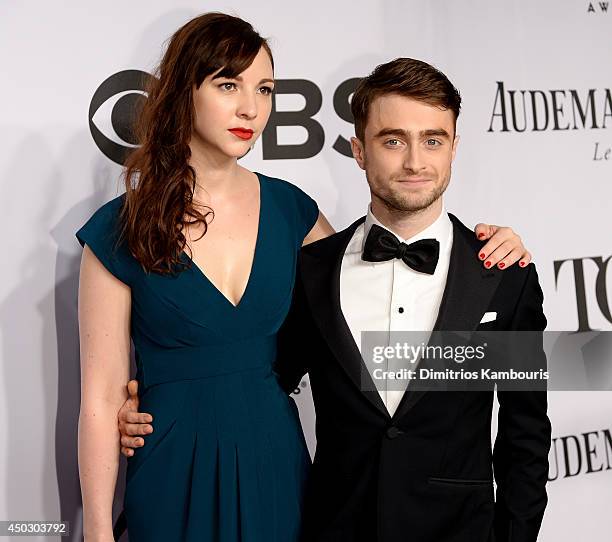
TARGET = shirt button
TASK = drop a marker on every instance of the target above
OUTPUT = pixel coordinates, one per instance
(400, 310)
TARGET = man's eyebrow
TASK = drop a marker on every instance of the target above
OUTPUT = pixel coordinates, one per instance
(440, 132)
(391, 131)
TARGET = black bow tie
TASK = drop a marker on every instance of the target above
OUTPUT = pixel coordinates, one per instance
(381, 245)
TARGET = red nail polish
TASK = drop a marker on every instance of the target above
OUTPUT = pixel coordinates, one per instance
(487, 264)
(502, 265)
(480, 235)
(522, 264)
(482, 255)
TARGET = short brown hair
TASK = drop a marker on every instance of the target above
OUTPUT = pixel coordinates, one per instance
(407, 77)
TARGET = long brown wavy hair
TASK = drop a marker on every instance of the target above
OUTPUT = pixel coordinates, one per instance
(159, 181)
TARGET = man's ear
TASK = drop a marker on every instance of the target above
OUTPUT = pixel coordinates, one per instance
(455, 144)
(358, 152)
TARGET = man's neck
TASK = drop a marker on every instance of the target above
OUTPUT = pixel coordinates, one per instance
(406, 224)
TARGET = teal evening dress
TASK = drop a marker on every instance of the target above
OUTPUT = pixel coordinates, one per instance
(227, 460)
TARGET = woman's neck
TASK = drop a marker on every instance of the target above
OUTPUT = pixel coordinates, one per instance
(217, 174)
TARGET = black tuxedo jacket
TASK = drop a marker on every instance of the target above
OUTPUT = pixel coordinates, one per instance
(425, 474)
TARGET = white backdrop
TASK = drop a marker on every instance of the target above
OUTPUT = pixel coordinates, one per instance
(551, 185)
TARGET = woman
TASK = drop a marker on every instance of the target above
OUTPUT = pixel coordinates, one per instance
(227, 461)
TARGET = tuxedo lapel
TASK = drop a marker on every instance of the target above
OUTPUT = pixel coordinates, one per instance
(468, 292)
(469, 286)
(320, 265)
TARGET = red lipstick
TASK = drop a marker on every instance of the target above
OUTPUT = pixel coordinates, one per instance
(242, 133)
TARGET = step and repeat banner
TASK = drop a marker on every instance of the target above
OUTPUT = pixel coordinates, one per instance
(535, 154)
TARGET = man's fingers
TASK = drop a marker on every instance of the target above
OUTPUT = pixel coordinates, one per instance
(128, 413)
(136, 417)
(134, 429)
(133, 388)
(132, 442)
(127, 452)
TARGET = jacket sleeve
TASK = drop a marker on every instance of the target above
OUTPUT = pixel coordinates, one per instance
(520, 455)
(294, 336)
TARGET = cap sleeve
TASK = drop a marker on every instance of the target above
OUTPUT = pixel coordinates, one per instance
(100, 233)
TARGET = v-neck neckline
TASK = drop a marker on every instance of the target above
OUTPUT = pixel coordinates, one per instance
(256, 251)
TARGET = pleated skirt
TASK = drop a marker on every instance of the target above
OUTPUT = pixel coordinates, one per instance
(226, 462)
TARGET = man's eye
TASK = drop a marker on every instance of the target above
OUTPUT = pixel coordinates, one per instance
(433, 142)
(393, 142)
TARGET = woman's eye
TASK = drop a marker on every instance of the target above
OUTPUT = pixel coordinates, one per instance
(227, 86)
(266, 91)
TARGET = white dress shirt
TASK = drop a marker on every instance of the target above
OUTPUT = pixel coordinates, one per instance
(390, 296)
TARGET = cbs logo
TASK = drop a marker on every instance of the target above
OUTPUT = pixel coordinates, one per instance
(117, 100)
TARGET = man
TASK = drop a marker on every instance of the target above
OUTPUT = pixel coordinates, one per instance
(409, 465)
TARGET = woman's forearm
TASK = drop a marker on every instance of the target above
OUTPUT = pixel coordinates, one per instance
(98, 467)
(104, 333)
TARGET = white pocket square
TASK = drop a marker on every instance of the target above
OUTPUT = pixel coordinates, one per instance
(489, 317)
